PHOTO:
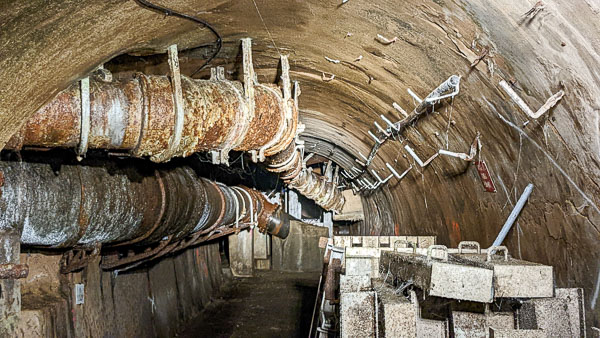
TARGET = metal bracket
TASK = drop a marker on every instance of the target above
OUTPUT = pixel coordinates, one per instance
(297, 92)
(103, 74)
(178, 108)
(416, 157)
(220, 156)
(249, 76)
(377, 140)
(84, 86)
(217, 74)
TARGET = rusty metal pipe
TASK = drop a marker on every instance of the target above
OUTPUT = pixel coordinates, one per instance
(116, 203)
(13, 271)
(137, 116)
(289, 164)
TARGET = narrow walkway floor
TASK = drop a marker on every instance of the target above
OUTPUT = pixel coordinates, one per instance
(272, 304)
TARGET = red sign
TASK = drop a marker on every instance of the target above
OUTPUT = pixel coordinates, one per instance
(484, 174)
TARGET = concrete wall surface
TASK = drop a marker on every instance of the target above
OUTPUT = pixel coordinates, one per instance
(147, 302)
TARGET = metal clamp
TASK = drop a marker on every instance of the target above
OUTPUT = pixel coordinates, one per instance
(463, 244)
(84, 86)
(495, 249)
(442, 248)
(178, 108)
(243, 191)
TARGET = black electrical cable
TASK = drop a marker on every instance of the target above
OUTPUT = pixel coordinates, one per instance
(170, 12)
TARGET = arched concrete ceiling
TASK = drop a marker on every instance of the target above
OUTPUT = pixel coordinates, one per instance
(46, 45)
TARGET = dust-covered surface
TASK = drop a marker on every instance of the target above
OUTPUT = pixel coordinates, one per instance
(271, 304)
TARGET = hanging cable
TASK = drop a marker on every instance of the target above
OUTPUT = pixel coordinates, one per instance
(170, 12)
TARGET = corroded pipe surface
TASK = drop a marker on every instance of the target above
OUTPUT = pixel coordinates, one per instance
(120, 204)
(13, 271)
(288, 163)
(137, 116)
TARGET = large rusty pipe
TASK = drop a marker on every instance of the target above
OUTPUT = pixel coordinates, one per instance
(117, 204)
(137, 116)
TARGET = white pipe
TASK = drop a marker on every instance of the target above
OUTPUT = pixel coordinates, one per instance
(513, 215)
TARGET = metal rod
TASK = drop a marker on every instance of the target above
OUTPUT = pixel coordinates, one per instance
(414, 155)
(389, 123)
(414, 96)
(375, 137)
(462, 156)
(400, 109)
(381, 130)
(376, 176)
(392, 170)
(513, 215)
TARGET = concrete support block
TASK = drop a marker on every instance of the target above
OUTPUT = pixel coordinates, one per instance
(300, 250)
(397, 315)
(515, 278)
(362, 261)
(240, 253)
(425, 241)
(561, 316)
(427, 328)
(507, 333)
(357, 314)
(384, 241)
(354, 283)
(440, 278)
(471, 324)
(261, 245)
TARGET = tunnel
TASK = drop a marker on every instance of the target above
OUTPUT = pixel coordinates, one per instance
(217, 168)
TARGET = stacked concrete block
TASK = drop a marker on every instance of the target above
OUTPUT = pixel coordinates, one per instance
(472, 324)
(354, 283)
(559, 316)
(515, 278)
(357, 314)
(384, 241)
(363, 252)
(452, 276)
(512, 333)
(400, 316)
(441, 278)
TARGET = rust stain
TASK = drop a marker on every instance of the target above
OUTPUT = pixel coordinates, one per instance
(455, 236)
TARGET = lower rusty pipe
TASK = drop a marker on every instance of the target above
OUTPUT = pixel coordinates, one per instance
(116, 204)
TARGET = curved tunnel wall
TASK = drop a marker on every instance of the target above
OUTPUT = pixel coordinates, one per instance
(559, 152)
